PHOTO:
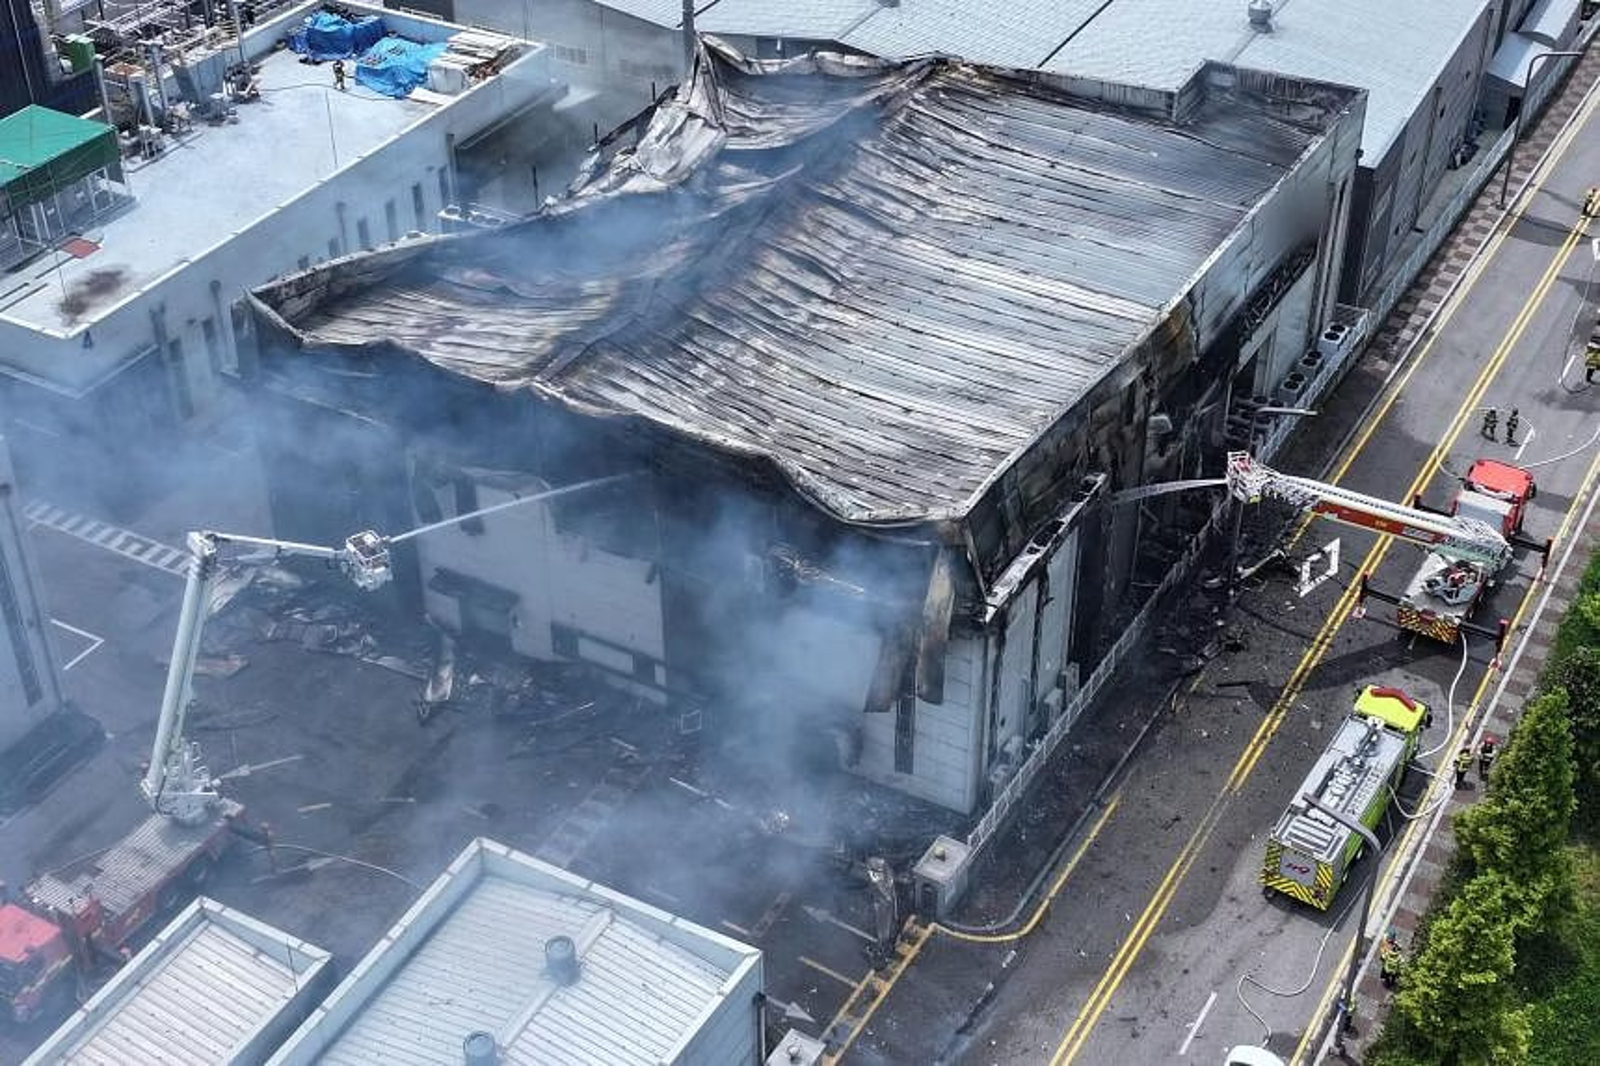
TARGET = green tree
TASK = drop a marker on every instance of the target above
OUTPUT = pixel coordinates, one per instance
(1458, 992)
(1578, 673)
(1580, 627)
(1519, 830)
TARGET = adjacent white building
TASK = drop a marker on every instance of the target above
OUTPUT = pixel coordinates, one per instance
(124, 325)
(215, 986)
(512, 960)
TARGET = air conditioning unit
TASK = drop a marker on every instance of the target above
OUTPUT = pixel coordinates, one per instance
(1292, 388)
(1335, 340)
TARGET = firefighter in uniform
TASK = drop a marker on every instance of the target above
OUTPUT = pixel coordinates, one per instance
(1486, 754)
(1463, 764)
(1390, 961)
(1512, 421)
(1491, 420)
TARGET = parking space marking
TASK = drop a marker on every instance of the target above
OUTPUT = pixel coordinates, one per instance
(94, 643)
(848, 982)
(123, 542)
(1195, 1026)
(741, 930)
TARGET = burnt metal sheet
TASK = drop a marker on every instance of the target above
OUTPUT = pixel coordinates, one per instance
(886, 279)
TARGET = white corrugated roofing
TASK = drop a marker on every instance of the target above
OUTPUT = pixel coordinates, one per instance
(203, 992)
(469, 957)
(667, 13)
(1007, 33)
(813, 20)
(1393, 51)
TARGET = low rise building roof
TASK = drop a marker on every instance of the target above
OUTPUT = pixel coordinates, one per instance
(1154, 43)
(214, 986)
(470, 957)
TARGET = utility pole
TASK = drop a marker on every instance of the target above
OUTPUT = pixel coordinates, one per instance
(1349, 1002)
(1527, 91)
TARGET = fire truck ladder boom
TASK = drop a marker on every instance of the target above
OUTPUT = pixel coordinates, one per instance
(176, 782)
(1453, 535)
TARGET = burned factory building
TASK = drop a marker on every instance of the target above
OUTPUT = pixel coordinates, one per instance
(828, 369)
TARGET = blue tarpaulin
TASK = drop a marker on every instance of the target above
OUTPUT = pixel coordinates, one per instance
(394, 66)
(329, 36)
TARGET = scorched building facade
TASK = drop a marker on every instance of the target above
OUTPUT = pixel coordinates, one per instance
(836, 366)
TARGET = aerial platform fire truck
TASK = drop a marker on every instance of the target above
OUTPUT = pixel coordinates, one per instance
(70, 921)
(1448, 587)
(1309, 854)
(1468, 546)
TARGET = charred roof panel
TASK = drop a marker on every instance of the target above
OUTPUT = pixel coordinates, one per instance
(887, 279)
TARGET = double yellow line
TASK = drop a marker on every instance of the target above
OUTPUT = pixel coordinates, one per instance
(1077, 1034)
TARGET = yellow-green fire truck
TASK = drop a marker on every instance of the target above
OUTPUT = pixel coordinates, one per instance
(1309, 854)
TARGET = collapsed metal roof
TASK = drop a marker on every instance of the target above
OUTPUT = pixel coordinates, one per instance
(887, 279)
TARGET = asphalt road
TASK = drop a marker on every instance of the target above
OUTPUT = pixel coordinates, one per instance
(1141, 958)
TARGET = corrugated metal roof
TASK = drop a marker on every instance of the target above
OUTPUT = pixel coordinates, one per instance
(1156, 43)
(668, 13)
(816, 20)
(1008, 33)
(469, 957)
(1395, 56)
(201, 993)
(887, 279)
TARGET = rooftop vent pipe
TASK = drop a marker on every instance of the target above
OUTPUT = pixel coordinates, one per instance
(1260, 12)
(479, 1049)
(561, 960)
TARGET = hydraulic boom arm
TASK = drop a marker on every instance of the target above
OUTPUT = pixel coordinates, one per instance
(177, 784)
(1457, 536)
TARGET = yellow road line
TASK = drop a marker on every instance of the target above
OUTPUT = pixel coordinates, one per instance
(1412, 828)
(1072, 1042)
(848, 982)
(919, 937)
(1044, 904)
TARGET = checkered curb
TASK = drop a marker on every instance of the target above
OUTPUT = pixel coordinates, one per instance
(1372, 999)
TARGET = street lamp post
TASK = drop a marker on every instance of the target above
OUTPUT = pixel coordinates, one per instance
(1527, 91)
(1366, 908)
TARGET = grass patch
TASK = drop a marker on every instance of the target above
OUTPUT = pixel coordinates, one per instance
(1565, 984)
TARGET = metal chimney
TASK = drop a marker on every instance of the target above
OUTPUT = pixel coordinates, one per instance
(479, 1049)
(561, 960)
(1260, 12)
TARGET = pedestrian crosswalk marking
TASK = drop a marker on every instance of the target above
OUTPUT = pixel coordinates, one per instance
(123, 542)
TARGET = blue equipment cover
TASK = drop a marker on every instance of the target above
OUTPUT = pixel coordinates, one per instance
(394, 66)
(329, 36)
